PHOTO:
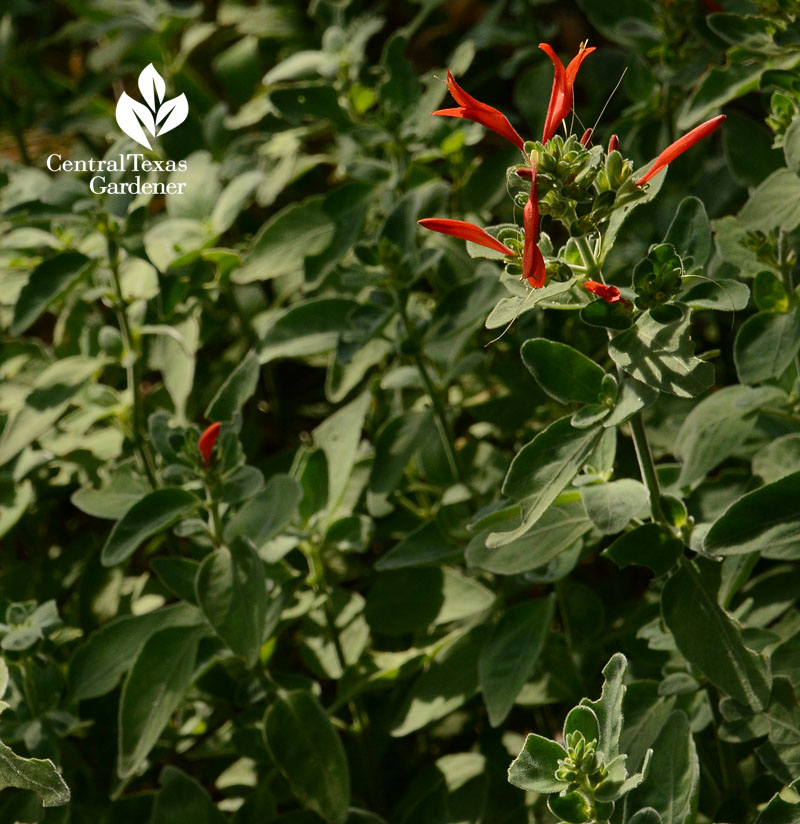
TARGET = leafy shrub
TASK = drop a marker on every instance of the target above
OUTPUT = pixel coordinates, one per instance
(311, 515)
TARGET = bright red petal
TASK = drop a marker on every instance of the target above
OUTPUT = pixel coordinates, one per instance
(465, 231)
(487, 116)
(533, 267)
(680, 146)
(610, 294)
(205, 443)
(575, 63)
(558, 94)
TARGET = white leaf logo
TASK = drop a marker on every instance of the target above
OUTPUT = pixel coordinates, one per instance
(158, 117)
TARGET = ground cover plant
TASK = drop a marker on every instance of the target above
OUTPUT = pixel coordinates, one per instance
(400, 412)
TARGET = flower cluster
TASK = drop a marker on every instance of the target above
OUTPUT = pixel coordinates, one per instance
(569, 181)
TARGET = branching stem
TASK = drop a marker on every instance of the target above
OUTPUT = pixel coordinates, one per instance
(132, 357)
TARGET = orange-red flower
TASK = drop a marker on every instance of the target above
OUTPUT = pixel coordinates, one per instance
(613, 144)
(472, 109)
(680, 146)
(533, 267)
(587, 137)
(205, 443)
(563, 81)
(608, 293)
(465, 231)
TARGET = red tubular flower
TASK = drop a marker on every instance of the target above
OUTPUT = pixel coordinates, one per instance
(587, 136)
(609, 294)
(561, 94)
(613, 144)
(680, 146)
(525, 172)
(472, 109)
(205, 443)
(532, 261)
(465, 231)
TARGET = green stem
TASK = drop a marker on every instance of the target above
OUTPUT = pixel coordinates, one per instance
(644, 456)
(647, 467)
(446, 431)
(592, 267)
(132, 366)
(360, 719)
(785, 267)
(212, 506)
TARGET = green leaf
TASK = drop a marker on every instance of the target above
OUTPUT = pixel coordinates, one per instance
(611, 506)
(769, 293)
(748, 31)
(306, 749)
(150, 515)
(717, 87)
(766, 520)
(791, 145)
(718, 427)
(672, 783)
(781, 753)
(51, 278)
(306, 329)
(606, 315)
(651, 545)
(99, 663)
(424, 546)
(154, 689)
(534, 769)
(571, 808)
(542, 469)
(113, 500)
(266, 514)
(507, 310)
(339, 437)
(583, 720)
(563, 372)
(608, 707)
(46, 402)
(509, 656)
(38, 775)
(231, 591)
(449, 682)
(778, 458)
(236, 391)
(690, 232)
(775, 204)
(632, 397)
(397, 441)
(181, 798)
(748, 149)
(285, 241)
(721, 295)
(662, 356)
(782, 808)
(561, 526)
(766, 344)
(711, 640)
(405, 600)
(175, 242)
(232, 200)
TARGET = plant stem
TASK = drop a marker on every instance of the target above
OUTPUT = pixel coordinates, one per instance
(360, 719)
(786, 273)
(592, 269)
(439, 408)
(644, 456)
(132, 366)
(647, 467)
